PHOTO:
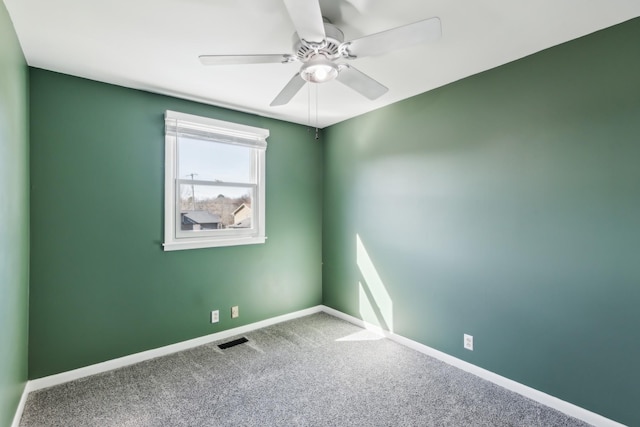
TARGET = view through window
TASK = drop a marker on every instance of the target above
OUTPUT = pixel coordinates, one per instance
(216, 171)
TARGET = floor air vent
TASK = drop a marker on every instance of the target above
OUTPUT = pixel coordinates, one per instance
(233, 343)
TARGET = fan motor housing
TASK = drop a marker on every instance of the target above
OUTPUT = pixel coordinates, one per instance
(330, 50)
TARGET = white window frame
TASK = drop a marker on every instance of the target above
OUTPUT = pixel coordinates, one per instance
(217, 131)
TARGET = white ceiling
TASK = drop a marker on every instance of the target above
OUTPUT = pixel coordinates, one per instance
(154, 45)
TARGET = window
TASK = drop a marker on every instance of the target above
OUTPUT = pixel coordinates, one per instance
(214, 183)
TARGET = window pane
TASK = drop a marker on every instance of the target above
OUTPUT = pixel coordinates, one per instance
(206, 207)
(211, 161)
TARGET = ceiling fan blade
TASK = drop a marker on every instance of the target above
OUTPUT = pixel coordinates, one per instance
(307, 19)
(245, 59)
(394, 39)
(360, 82)
(289, 91)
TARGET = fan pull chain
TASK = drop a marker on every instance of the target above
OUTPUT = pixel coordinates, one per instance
(309, 104)
(317, 137)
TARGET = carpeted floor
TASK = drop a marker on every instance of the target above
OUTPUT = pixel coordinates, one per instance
(312, 371)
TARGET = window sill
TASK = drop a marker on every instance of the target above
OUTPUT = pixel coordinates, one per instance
(212, 243)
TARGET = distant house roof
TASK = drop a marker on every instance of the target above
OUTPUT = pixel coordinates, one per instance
(201, 217)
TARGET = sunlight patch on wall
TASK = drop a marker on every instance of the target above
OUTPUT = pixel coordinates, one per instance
(375, 304)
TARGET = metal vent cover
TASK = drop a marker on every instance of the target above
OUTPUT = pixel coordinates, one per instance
(233, 343)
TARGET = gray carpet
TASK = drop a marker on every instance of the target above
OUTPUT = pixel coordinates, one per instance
(311, 371)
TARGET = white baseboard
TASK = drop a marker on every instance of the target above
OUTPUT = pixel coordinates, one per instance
(20, 408)
(538, 396)
(120, 362)
(526, 391)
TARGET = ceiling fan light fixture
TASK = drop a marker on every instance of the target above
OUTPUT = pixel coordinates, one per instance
(319, 70)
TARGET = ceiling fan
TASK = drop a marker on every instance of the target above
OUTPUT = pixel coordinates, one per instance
(318, 45)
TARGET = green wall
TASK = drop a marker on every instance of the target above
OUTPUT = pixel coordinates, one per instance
(101, 285)
(505, 206)
(14, 220)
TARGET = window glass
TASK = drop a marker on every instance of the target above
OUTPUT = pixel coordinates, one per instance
(214, 183)
(211, 161)
(222, 202)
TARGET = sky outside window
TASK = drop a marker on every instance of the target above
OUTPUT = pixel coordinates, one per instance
(205, 161)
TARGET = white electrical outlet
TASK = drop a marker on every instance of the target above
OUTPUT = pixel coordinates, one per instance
(215, 316)
(468, 342)
(235, 312)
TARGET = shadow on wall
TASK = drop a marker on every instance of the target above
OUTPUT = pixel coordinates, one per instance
(375, 304)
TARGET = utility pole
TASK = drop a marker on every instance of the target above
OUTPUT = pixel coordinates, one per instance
(193, 191)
